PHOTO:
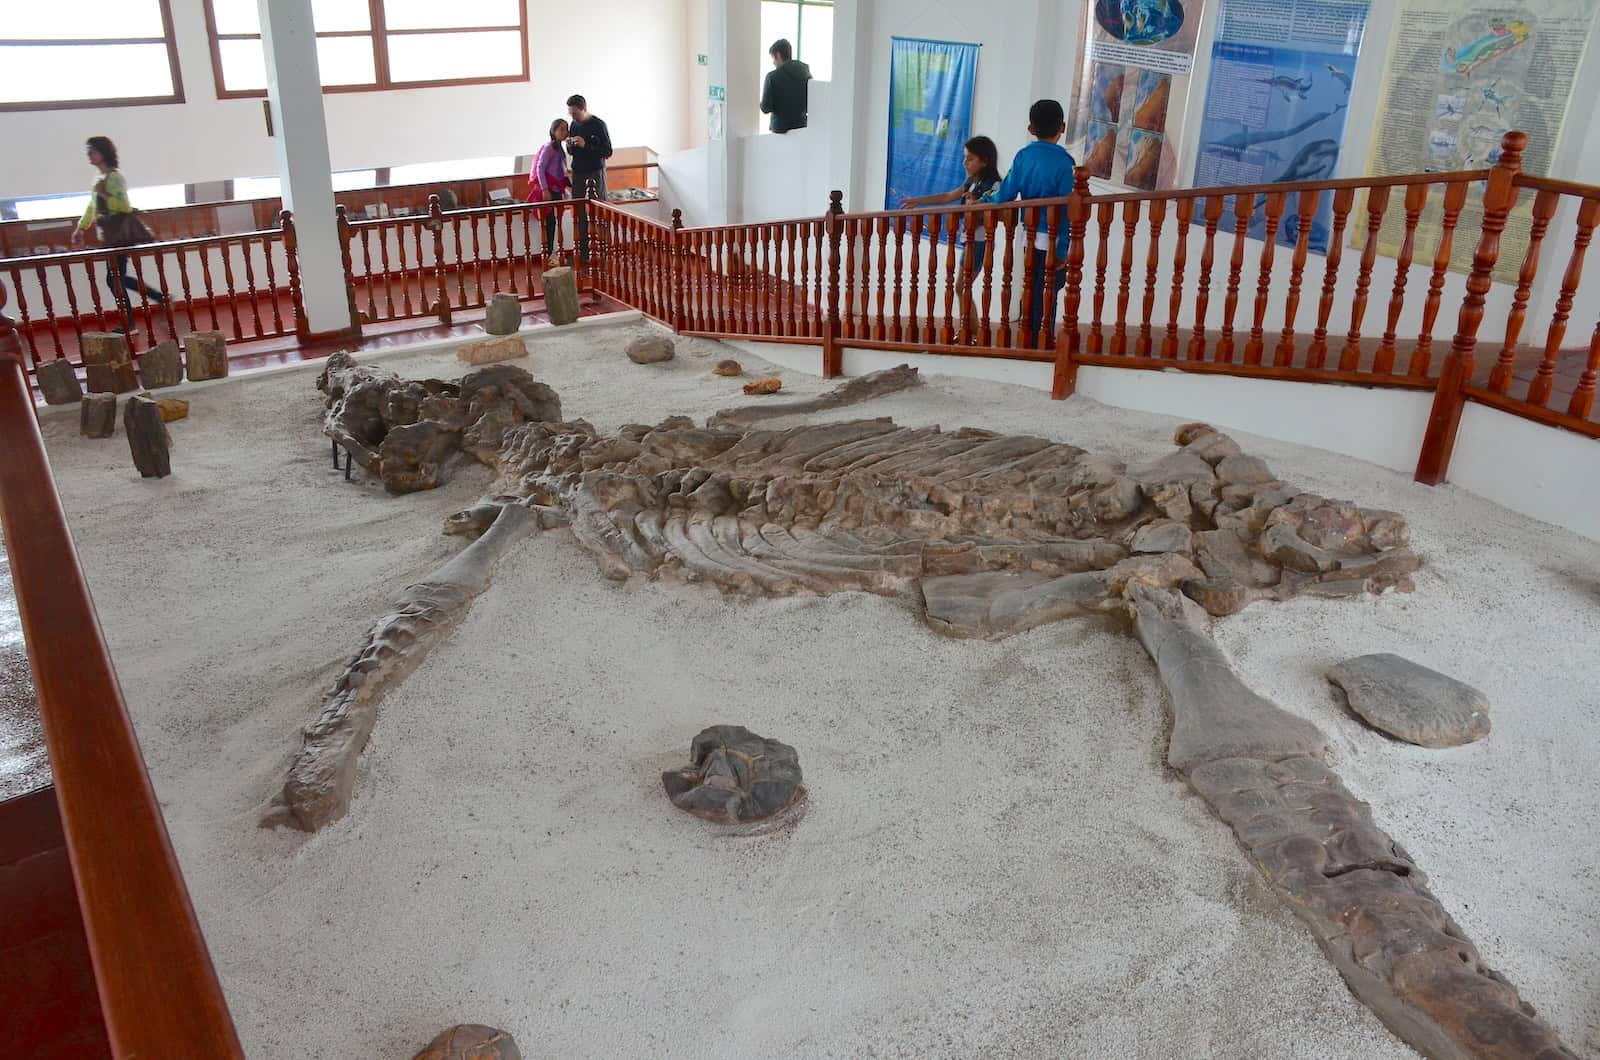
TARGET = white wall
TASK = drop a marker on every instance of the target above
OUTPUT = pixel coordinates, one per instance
(1530, 468)
(784, 177)
(629, 58)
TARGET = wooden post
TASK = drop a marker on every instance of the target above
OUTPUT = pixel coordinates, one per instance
(291, 252)
(1448, 399)
(675, 263)
(345, 235)
(832, 357)
(1065, 381)
(436, 226)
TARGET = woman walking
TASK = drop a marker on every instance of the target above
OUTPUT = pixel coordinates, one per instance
(548, 182)
(118, 225)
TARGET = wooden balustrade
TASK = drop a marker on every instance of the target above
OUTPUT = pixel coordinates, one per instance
(1556, 382)
(953, 280)
(159, 993)
(446, 262)
(242, 285)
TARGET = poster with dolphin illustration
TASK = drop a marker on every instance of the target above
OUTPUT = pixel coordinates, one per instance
(1276, 103)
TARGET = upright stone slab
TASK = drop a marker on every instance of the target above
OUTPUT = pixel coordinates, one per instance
(58, 382)
(161, 365)
(561, 295)
(107, 364)
(207, 353)
(97, 416)
(503, 315)
(148, 439)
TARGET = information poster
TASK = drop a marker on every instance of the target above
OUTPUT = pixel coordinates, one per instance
(1461, 75)
(930, 116)
(1276, 102)
(1126, 124)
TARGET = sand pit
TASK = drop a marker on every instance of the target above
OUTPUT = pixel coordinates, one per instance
(992, 858)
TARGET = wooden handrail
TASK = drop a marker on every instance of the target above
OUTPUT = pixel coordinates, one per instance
(101, 253)
(159, 993)
(1560, 187)
(1357, 183)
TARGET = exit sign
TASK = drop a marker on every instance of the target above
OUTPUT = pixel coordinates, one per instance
(702, 59)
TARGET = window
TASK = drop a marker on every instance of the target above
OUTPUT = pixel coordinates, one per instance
(47, 207)
(380, 44)
(245, 188)
(87, 53)
(806, 24)
(461, 169)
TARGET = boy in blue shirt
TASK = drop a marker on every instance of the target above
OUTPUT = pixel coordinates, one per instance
(1042, 170)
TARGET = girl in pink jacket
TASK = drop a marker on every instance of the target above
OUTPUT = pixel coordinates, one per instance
(548, 181)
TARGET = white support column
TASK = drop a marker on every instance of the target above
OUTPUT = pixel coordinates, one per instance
(735, 64)
(852, 29)
(300, 137)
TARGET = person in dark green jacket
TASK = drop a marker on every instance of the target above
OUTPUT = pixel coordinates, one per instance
(784, 94)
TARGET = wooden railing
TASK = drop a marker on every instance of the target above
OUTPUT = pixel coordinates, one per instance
(1211, 280)
(242, 285)
(198, 220)
(158, 991)
(1536, 396)
(448, 261)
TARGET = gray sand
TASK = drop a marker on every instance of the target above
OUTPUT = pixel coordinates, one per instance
(993, 859)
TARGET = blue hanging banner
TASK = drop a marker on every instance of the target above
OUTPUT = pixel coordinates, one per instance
(930, 116)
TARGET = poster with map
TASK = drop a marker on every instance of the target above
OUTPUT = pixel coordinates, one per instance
(1277, 100)
(1126, 122)
(930, 116)
(1460, 75)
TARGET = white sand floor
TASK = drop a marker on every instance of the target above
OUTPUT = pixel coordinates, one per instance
(993, 860)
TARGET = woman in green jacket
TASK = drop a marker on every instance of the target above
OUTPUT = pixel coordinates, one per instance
(110, 196)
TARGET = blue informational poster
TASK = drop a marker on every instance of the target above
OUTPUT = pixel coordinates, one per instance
(1276, 102)
(930, 116)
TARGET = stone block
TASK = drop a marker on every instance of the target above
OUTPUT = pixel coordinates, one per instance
(161, 365)
(561, 295)
(148, 439)
(471, 1041)
(1412, 702)
(97, 416)
(651, 349)
(58, 382)
(107, 364)
(487, 351)
(503, 316)
(172, 409)
(207, 355)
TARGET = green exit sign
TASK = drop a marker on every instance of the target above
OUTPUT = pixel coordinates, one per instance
(702, 59)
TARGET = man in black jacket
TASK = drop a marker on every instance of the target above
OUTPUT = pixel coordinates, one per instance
(784, 94)
(588, 145)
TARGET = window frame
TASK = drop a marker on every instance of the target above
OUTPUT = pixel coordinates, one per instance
(170, 39)
(379, 31)
(799, 19)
